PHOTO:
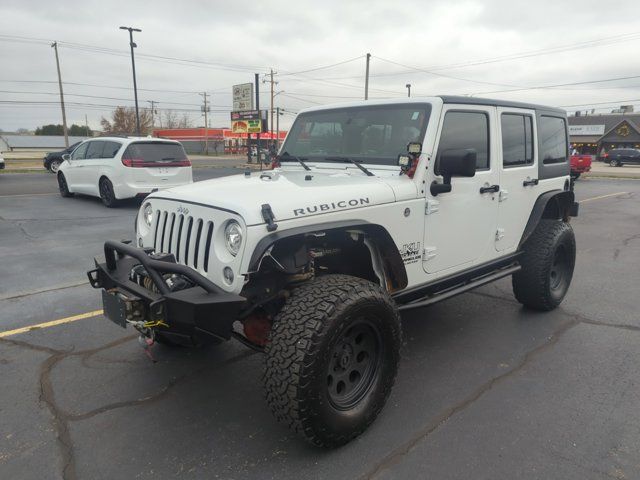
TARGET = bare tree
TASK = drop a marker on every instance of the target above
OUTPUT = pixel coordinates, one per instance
(172, 120)
(123, 121)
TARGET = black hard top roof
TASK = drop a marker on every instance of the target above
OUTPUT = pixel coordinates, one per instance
(497, 103)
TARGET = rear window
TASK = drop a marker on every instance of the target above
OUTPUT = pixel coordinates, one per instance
(155, 152)
(552, 133)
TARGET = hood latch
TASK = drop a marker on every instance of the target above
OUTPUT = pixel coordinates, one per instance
(267, 215)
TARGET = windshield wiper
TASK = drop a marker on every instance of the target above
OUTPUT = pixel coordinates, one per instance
(297, 159)
(350, 160)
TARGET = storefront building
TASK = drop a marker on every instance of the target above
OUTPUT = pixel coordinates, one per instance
(597, 134)
(216, 140)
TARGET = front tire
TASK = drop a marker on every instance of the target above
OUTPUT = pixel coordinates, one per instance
(63, 187)
(615, 163)
(54, 166)
(547, 264)
(332, 358)
(107, 194)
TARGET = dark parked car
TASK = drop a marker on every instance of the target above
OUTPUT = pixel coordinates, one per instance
(52, 160)
(620, 156)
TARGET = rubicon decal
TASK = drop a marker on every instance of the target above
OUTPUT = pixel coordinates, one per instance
(326, 207)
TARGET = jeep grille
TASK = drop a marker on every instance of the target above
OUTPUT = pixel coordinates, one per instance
(188, 238)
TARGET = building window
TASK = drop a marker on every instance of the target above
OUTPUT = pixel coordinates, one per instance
(552, 132)
(466, 130)
(517, 139)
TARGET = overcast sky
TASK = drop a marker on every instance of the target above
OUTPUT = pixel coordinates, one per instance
(439, 47)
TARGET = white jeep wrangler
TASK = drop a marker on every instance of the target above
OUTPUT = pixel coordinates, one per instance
(373, 208)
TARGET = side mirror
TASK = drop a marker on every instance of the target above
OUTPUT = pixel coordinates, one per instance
(66, 157)
(454, 163)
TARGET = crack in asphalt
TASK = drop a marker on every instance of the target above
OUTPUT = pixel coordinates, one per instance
(396, 455)
(400, 452)
(46, 290)
(61, 418)
(625, 243)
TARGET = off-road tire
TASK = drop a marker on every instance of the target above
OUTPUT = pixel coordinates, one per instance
(63, 187)
(107, 195)
(547, 264)
(317, 321)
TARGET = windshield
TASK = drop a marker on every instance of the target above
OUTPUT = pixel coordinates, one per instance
(373, 134)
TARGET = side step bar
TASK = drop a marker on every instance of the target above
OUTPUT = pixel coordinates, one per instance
(460, 288)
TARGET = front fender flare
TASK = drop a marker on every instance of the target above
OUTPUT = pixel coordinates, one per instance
(389, 253)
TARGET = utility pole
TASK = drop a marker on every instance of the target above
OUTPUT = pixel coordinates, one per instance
(257, 79)
(86, 124)
(153, 112)
(408, 85)
(54, 45)
(273, 83)
(366, 79)
(206, 123)
(133, 64)
(278, 127)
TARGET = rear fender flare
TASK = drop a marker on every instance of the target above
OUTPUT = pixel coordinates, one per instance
(555, 204)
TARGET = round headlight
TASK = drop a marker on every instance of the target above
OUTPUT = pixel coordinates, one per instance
(147, 214)
(233, 237)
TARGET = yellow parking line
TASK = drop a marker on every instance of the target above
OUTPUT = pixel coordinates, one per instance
(602, 196)
(52, 323)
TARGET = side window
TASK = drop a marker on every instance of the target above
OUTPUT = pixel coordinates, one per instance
(79, 153)
(552, 132)
(517, 139)
(463, 130)
(110, 149)
(95, 149)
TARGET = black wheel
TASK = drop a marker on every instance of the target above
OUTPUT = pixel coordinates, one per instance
(615, 163)
(332, 358)
(54, 166)
(63, 187)
(547, 266)
(107, 195)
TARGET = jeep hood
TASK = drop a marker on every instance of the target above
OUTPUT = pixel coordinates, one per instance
(289, 194)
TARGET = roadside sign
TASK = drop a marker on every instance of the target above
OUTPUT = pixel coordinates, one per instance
(251, 121)
(242, 97)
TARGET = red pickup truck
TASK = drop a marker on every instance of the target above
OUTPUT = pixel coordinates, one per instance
(580, 164)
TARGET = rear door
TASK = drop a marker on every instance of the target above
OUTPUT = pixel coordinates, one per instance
(157, 164)
(518, 175)
(91, 166)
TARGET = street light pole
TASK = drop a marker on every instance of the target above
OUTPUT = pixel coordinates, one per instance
(408, 85)
(133, 64)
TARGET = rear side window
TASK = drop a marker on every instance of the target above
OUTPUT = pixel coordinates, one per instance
(110, 149)
(465, 130)
(552, 132)
(155, 152)
(95, 149)
(517, 139)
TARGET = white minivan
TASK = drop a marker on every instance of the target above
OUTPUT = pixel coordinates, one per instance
(115, 168)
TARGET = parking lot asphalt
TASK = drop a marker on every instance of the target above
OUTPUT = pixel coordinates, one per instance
(486, 389)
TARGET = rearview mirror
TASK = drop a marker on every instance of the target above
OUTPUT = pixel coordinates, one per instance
(66, 157)
(453, 163)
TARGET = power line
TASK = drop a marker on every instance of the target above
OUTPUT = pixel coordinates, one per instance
(324, 67)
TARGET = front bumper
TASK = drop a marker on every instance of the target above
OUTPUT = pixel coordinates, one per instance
(204, 310)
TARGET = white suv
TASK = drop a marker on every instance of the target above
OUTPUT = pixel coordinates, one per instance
(115, 168)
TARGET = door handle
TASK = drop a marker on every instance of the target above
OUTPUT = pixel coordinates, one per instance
(529, 183)
(491, 188)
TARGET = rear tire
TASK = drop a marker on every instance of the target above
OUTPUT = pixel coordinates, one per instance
(332, 358)
(63, 187)
(547, 264)
(107, 194)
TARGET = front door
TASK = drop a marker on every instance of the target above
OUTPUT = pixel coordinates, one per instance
(460, 225)
(518, 175)
(73, 172)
